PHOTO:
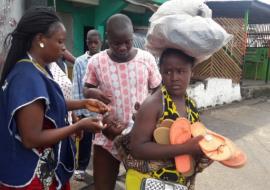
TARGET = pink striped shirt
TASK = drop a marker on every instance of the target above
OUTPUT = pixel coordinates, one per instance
(127, 83)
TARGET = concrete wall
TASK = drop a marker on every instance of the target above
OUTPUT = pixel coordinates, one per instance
(15, 12)
(18, 8)
(214, 91)
(75, 18)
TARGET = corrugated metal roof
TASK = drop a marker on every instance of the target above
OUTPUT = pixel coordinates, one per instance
(262, 1)
(258, 35)
(259, 12)
(139, 40)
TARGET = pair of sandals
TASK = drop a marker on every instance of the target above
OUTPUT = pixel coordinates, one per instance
(215, 146)
(218, 147)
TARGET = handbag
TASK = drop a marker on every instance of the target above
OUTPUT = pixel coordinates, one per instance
(156, 184)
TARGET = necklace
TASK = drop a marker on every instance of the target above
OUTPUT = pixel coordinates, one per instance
(38, 66)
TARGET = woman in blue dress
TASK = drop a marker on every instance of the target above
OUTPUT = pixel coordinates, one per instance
(35, 145)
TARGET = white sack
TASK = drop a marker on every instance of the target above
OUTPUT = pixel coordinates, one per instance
(189, 7)
(199, 37)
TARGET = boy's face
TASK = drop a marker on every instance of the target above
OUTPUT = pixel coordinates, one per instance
(175, 74)
(93, 44)
(120, 44)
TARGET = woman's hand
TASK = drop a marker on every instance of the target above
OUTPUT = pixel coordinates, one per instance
(193, 146)
(113, 128)
(90, 124)
(97, 106)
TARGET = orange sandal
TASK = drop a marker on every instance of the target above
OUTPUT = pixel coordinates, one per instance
(213, 145)
(179, 134)
(237, 160)
(162, 132)
(161, 135)
(225, 151)
(166, 123)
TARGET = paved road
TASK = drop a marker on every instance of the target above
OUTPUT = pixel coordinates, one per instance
(247, 123)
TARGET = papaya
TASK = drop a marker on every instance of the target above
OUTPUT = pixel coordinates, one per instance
(179, 133)
(161, 135)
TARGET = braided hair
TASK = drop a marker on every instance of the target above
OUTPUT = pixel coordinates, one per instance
(35, 20)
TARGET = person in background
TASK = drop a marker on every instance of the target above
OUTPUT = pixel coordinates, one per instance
(64, 82)
(35, 145)
(93, 41)
(62, 61)
(67, 56)
(119, 76)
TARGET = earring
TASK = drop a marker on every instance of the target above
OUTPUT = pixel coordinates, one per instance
(41, 45)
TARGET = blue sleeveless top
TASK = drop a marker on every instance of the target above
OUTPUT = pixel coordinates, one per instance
(24, 85)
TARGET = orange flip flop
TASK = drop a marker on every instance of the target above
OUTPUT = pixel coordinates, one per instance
(166, 123)
(179, 134)
(221, 153)
(162, 131)
(211, 141)
(162, 135)
(192, 169)
(229, 148)
(238, 159)
(213, 145)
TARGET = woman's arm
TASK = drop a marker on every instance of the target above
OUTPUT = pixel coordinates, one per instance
(69, 57)
(142, 144)
(30, 118)
(91, 91)
(75, 105)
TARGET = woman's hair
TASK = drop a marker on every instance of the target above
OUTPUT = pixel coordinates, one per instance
(35, 20)
(171, 51)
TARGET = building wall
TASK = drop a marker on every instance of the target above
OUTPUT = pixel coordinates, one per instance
(214, 91)
(256, 61)
(93, 16)
(75, 19)
(139, 19)
(15, 12)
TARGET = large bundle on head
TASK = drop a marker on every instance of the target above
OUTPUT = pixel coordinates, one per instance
(188, 26)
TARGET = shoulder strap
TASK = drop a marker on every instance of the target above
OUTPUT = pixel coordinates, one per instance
(169, 108)
(192, 111)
